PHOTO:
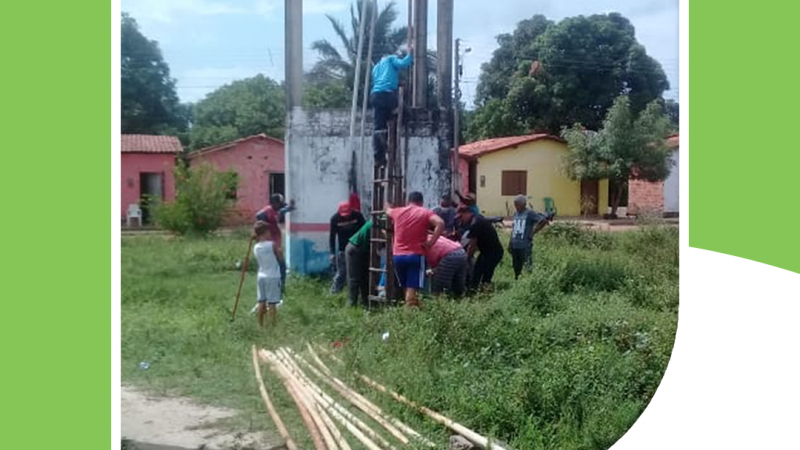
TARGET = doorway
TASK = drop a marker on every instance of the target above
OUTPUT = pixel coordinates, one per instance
(589, 196)
(151, 192)
(277, 184)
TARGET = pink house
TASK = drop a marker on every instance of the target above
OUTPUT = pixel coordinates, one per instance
(259, 163)
(147, 169)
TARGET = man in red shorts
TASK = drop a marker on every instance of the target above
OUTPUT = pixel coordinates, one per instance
(411, 243)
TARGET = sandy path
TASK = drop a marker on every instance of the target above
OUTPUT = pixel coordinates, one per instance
(181, 423)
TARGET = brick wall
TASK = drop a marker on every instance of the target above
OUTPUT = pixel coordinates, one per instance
(644, 196)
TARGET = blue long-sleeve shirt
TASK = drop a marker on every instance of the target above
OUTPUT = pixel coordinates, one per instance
(384, 74)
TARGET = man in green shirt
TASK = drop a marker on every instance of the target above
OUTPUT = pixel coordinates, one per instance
(357, 258)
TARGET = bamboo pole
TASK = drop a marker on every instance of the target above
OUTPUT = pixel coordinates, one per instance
(474, 437)
(337, 435)
(290, 444)
(330, 402)
(316, 436)
(319, 420)
(371, 445)
(362, 402)
(402, 425)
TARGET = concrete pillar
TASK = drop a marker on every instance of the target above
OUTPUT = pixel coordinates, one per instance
(444, 53)
(294, 53)
(420, 53)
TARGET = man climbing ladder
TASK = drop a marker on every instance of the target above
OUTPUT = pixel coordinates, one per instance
(385, 81)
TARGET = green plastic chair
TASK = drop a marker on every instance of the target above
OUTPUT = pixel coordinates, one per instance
(550, 205)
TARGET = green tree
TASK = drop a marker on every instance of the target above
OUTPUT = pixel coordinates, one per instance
(149, 102)
(546, 75)
(628, 146)
(240, 109)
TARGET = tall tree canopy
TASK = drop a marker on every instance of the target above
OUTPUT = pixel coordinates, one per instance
(628, 146)
(546, 75)
(240, 109)
(149, 102)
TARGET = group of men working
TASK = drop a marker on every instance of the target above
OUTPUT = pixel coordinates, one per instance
(441, 243)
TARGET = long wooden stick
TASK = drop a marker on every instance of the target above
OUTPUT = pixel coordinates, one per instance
(400, 424)
(319, 444)
(331, 403)
(474, 437)
(391, 424)
(319, 418)
(290, 444)
(337, 435)
(342, 416)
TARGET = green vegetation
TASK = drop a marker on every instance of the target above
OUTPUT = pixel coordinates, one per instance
(202, 199)
(568, 357)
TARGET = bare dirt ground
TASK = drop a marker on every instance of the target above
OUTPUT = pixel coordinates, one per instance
(179, 423)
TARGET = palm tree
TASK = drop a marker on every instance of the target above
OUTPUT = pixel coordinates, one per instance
(336, 67)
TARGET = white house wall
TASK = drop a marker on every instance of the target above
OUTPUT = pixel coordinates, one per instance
(319, 156)
(671, 186)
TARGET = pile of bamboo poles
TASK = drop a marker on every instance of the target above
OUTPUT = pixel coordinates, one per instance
(323, 415)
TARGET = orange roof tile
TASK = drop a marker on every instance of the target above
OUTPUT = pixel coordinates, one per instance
(485, 146)
(145, 143)
(673, 141)
(230, 144)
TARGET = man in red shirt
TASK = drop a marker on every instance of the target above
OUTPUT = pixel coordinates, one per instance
(449, 263)
(411, 243)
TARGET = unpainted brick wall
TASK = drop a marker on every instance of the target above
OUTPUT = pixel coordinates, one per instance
(645, 196)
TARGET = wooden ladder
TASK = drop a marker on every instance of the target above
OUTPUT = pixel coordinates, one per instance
(387, 185)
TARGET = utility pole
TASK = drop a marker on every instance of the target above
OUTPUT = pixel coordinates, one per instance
(457, 117)
(420, 67)
(294, 53)
(444, 54)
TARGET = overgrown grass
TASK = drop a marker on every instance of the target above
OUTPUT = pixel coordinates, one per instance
(567, 357)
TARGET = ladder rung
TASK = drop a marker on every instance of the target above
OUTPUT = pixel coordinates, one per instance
(382, 180)
(377, 213)
(374, 269)
(377, 240)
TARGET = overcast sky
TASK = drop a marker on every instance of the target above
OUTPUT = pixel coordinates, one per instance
(208, 43)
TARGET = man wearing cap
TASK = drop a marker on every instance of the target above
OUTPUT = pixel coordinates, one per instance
(527, 222)
(447, 212)
(344, 224)
(411, 242)
(383, 97)
(483, 238)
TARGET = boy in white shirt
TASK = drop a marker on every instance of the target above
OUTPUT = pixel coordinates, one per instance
(268, 282)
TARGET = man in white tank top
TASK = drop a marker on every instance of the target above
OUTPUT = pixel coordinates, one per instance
(268, 281)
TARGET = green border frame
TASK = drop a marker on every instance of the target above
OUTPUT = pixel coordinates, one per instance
(55, 324)
(744, 183)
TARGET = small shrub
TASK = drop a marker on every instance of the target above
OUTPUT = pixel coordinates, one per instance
(201, 201)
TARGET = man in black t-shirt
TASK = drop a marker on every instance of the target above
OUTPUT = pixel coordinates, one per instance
(483, 238)
(344, 224)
